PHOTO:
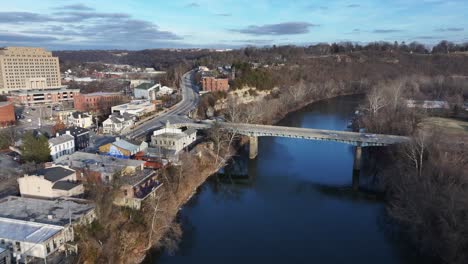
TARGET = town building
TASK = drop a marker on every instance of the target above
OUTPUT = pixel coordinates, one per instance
(213, 84)
(427, 104)
(122, 148)
(80, 119)
(135, 83)
(51, 183)
(26, 68)
(100, 168)
(45, 96)
(173, 138)
(61, 145)
(116, 123)
(135, 107)
(80, 135)
(34, 229)
(163, 91)
(7, 114)
(146, 91)
(97, 102)
(5, 255)
(136, 188)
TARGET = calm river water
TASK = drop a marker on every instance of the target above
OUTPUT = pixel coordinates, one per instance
(295, 206)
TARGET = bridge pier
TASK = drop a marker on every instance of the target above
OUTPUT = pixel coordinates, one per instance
(253, 147)
(357, 167)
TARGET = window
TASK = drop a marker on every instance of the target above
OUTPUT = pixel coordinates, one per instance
(18, 246)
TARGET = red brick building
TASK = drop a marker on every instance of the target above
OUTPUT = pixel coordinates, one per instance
(7, 114)
(213, 84)
(97, 101)
(45, 96)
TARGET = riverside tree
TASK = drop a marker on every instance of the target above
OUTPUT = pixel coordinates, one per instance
(35, 148)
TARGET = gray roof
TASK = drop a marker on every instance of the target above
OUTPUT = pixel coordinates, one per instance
(125, 116)
(65, 185)
(61, 139)
(123, 144)
(78, 113)
(74, 131)
(145, 86)
(54, 174)
(137, 177)
(2, 250)
(27, 231)
(54, 212)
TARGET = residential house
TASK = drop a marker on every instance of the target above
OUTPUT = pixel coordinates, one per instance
(34, 229)
(94, 167)
(61, 145)
(80, 136)
(50, 183)
(136, 188)
(122, 148)
(80, 119)
(116, 123)
(173, 138)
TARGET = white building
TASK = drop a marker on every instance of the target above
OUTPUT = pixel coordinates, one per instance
(164, 90)
(173, 138)
(146, 91)
(61, 145)
(51, 183)
(34, 229)
(135, 107)
(80, 119)
(116, 123)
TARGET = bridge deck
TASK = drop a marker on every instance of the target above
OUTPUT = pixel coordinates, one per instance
(353, 138)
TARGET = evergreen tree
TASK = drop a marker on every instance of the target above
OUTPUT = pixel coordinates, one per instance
(35, 148)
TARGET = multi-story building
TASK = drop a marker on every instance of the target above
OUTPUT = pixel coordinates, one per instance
(7, 114)
(146, 91)
(116, 123)
(46, 96)
(213, 84)
(97, 102)
(122, 148)
(81, 136)
(61, 145)
(173, 138)
(35, 229)
(25, 68)
(51, 183)
(80, 119)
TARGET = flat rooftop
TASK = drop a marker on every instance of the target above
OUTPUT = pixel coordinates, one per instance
(26, 231)
(53, 212)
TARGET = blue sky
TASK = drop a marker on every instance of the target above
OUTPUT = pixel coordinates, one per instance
(139, 24)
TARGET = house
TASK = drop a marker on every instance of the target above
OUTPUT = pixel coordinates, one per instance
(80, 136)
(122, 148)
(136, 188)
(135, 107)
(94, 167)
(146, 91)
(34, 229)
(5, 255)
(116, 123)
(164, 90)
(173, 138)
(50, 183)
(61, 145)
(80, 119)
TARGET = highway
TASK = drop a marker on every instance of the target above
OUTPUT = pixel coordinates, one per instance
(176, 114)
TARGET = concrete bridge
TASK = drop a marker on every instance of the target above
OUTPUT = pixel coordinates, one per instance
(253, 131)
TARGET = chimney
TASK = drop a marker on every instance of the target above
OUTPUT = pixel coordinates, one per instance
(57, 134)
(67, 132)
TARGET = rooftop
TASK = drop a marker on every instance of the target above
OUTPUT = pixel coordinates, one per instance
(74, 131)
(26, 231)
(78, 113)
(102, 94)
(138, 177)
(98, 163)
(61, 139)
(65, 185)
(54, 212)
(2, 250)
(146, 86)
(123, 144)
(54, 174)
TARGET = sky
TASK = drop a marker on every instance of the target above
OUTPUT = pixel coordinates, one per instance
(146, 24)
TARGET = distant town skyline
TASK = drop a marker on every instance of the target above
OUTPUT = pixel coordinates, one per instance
(145, 24)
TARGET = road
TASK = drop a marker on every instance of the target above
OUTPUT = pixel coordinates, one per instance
(176, 114)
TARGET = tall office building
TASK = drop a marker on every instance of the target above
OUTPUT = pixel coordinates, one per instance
(24, 68)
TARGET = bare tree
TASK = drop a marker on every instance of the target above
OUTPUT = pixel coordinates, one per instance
(376, 101)
(416, 150)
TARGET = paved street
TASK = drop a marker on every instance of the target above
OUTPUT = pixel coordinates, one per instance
(177, 114)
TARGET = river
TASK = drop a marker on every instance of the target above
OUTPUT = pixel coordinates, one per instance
(296, 204)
